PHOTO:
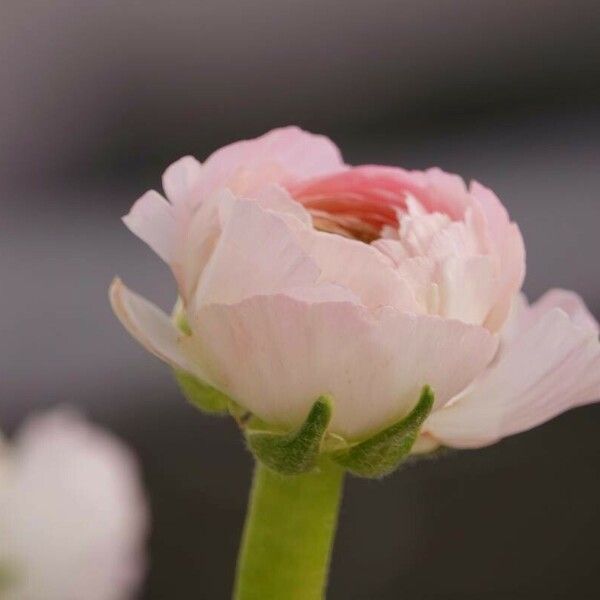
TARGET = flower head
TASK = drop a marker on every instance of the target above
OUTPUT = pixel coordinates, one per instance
(300, 276)
(73, 517)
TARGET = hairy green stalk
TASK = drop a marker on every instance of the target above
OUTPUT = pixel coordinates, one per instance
(288, 535)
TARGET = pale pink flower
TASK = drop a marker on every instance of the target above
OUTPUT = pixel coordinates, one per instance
(300, 275)
(73, 517)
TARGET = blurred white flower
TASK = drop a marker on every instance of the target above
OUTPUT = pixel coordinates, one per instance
(73, 516)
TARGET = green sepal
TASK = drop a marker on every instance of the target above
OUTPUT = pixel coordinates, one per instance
(296, 452)
(382, 453)
(203, 396)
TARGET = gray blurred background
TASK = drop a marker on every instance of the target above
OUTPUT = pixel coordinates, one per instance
(97, 98)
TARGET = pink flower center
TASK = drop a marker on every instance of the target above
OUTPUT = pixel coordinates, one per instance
(356, 203)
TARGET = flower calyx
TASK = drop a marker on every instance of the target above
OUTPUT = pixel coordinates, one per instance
(296, 452)
(300, 451)
(383, 453)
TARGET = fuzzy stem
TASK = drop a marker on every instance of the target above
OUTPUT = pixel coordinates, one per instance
(288, 535)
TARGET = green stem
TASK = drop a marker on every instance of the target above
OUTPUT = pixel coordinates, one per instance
(288, 535)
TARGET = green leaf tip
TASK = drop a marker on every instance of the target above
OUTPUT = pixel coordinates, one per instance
(203, 396)
(296, 452)
(382, 453)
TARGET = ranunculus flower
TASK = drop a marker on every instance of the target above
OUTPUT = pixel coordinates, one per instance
(73, 517)
(300, 275)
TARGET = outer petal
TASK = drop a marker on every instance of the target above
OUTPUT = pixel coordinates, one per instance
(152, 328)
(198, 242)
(550, 364)
(152, 219)
(568, 301)
(279, 156)
(276, 354)
(161, 223)
(73, 519)
(181, 178)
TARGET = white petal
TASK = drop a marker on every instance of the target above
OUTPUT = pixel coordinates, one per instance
(152, 328)
(275, 355)
(549, 365)
(72, 513)
(151, 218)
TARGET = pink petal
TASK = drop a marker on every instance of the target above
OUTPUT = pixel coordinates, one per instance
(276, 354)
(571, 303)
(256, 253)
(370, 194)
(151, 218)
(284, 154)
(199, 239)
(233, 259)
(508, 245)
(274, 197)
(152, 328)
(379, 190)
(197, 243)
(468, 288)
(359, 267)
(551, 364)
(181, 178)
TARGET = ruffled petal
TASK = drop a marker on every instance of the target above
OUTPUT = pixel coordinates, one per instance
(444, 264)
(276, 354)
(549, 362)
